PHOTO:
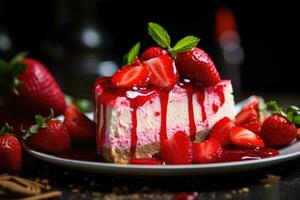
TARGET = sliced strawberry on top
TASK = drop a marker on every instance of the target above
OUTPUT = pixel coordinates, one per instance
(177, 149)
(153, 52)
(208, 151)
(249, 119)
(163, 71)
(130, 76)
(145, 161)
(245, 138)
(220, 131)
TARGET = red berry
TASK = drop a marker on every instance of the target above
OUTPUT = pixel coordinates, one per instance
(220, 131)
(145, 161)
(208, 151)
(177, 149)
(253, 104)
(249, 119)
(245, 138)
(101, 84)
(197, 65)
(163, 71)
(10, 153)
(276, 131)
(130, 76)
(152, 52)
(79, 126)
(38, 91)
(52, 139)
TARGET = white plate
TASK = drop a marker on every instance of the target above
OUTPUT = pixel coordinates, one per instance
(288, 153)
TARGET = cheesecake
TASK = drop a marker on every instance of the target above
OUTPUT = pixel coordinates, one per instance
(131, 123)
(157, 94)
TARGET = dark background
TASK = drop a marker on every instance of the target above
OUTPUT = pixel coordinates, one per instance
(50, 31)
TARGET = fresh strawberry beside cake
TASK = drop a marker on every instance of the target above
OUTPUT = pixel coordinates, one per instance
(152, 97)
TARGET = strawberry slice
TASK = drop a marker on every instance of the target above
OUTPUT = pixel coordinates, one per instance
(249, 119)
(163, 71)
(245, 138)
(177, 149)
(130, 76)
(153, 52)
(145, 161)
(208, 151)
(220, 131)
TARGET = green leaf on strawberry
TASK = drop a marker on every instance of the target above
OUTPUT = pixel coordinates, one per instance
(6, 129)
(41, 122)
(292, 114)
(132, 54)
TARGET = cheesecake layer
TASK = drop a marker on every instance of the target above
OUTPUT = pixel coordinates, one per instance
(132, 123)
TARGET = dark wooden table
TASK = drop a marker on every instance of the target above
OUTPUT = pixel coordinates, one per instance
(275, 182)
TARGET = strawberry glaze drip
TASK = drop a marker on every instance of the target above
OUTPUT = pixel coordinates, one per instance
(219, 101)
(190, 91)
(103, 129)
(133, 132)
(164, 97)
(201, 99)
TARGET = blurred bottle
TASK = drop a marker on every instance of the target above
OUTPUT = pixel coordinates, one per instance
(78, 47)
(230, 51)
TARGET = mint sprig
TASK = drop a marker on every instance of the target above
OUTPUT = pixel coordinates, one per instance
(132, 54)
(162, 38)
(186, 43)
(41, 122)
(292, 114)
(159, 35)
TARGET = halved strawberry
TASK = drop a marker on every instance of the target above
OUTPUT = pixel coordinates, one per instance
(249, 119)
(245, 138)
(220, 131)
(177, 149)
(208, 151)
(145, 161)
(130, 76)
(153, 52)
(163, 71)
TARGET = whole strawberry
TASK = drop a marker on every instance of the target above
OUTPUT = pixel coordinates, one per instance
(79, 126)
(197, 65)
(48, 135)
(30, 86)
(10, 151)
(191, 62)
(280, 128)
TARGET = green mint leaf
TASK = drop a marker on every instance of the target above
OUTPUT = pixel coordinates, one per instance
(159, 35)
(186, 44)
(132, 54)
(18, 57)
(6, 128)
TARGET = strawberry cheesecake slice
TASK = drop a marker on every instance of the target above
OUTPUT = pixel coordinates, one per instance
(132, 123)
(156, 95)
